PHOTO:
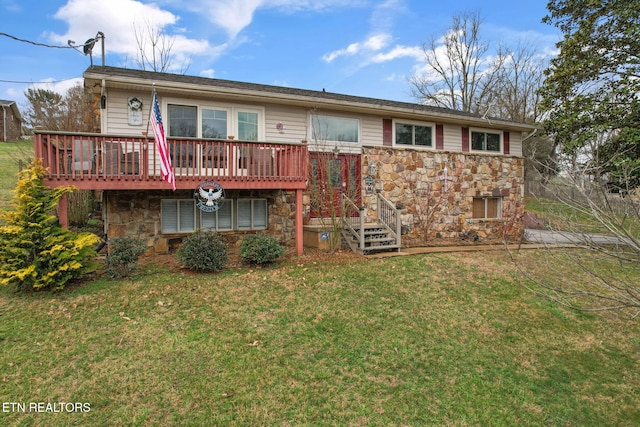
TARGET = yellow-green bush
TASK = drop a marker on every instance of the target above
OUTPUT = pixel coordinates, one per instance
(35, 251)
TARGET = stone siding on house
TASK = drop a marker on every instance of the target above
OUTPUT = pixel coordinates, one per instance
(414, 180)
(137, 214)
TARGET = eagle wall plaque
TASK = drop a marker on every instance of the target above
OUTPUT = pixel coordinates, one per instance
(208, 196)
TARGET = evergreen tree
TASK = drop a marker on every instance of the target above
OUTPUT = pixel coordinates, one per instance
(35, 251)
(592, 89)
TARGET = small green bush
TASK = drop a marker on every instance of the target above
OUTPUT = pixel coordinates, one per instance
(123, 256)
(260, 248)
(203, 251)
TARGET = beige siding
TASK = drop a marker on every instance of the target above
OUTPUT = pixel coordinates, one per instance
(371, 130)
(294, 120)
(117, 113)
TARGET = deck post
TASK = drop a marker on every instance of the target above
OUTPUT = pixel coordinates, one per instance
(299, 226)
(63, 215)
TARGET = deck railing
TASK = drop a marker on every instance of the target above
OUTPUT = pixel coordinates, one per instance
(98, 161)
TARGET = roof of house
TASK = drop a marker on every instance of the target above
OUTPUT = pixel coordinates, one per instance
(11, 104)
(124, 78)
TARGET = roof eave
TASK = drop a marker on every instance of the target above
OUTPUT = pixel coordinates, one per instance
(308, 101)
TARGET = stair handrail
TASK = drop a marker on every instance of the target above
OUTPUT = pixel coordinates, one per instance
(353, 224)
(389, 216)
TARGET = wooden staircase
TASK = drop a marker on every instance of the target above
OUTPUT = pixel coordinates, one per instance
(367, 238)
(377, 238)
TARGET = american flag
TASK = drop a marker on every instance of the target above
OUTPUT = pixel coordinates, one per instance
(161, 143)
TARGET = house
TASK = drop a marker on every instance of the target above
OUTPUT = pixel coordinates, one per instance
(280, 157)
(10, 121)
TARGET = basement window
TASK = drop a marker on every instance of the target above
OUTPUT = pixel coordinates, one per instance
(487, 207)
(181, 216)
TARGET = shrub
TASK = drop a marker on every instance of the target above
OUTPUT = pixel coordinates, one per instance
(35, 251)
(203, 251)
(123, 255)
(260, 248)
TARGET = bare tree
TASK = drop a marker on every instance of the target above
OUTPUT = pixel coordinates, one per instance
(514, 94)
(79, 112)
(327, 181)
(154, 49)
(44, 108)
(590, 102)
(458, 75)
(72, 111)
(602, 270)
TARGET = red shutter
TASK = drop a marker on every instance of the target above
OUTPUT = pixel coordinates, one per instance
(505, 142)
(387, 132)
(465, 139)
(439, 137)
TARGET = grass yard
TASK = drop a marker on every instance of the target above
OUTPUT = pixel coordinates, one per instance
(560, 216)
(11, 153)
(330, 340)
(446, 339)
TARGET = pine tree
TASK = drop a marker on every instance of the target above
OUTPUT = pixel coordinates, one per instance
(35, 251)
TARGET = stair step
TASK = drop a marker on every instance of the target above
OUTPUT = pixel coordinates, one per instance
(376, 239)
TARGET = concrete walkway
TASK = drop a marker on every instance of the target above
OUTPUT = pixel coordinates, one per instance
(564, 237)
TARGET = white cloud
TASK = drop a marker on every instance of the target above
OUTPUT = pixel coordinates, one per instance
(86, 17)
(10, 5)
(210, 72)
(384, 14)
(399, 52)
(60, 87)
(372, 44)
(13, 93)
(235, 15)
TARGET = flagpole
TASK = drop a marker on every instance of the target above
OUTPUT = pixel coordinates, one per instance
(153, 92)
(160, 140)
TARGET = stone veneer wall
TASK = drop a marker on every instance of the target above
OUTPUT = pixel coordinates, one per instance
(137, 214)
(414, 180)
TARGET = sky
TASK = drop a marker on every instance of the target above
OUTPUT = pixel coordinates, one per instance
(356, 47)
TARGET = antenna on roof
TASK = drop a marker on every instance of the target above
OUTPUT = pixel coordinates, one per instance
(87, 47)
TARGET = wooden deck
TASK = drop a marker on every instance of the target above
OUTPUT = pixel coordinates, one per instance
(115, 162)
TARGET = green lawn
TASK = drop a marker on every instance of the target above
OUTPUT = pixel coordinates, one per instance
(337, 340)
(415, 340)
(11, 153)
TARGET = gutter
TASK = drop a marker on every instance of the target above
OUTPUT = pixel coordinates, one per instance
(4, 119)
(308, 101)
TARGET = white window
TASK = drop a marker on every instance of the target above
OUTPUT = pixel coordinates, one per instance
(220, 220)
(214, 121)
(334, 129)
(183, 121)
(487, 207)
(183, 217)
(252, 214)
(414, 133)
(247, 124)
(177, 216)
(485, 140)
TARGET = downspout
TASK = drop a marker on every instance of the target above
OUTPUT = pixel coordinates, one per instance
(103, 107)
(4, 125)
